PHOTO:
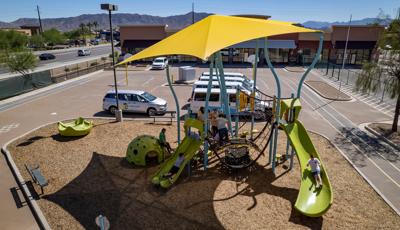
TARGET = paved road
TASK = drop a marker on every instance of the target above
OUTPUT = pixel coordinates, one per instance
(72, 55)
(337, 120)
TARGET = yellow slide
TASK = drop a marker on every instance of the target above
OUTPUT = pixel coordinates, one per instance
(311, 201)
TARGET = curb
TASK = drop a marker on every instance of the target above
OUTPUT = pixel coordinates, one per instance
(378, 135)
(34, 207)
(361, 174)
(329, 98)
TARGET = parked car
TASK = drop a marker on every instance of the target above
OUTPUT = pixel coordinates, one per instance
(136, 101)
(159, 63)
(83, 52)
(47, 56)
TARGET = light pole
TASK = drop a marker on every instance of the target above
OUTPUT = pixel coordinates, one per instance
(109, 8)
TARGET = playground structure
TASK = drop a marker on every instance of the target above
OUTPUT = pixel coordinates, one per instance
(79, 127)
(143, 146)
(204, 40)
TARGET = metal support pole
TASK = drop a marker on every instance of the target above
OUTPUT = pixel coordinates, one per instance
(223, 91)
(316, 58)
(178, 114)
(254, 88)
(237, 112)
(272, 133)
(278, 103)
(210, 80)
(118, 113)
(290, 119)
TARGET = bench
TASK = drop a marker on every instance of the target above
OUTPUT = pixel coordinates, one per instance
(37, 176)
(171, 116)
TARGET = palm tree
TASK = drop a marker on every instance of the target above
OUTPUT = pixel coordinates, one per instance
(83, 27)
(89, 25)
(95, 24)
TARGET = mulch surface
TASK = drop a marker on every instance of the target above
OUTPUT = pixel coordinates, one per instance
(386, 131)
(327, 91)
(89, 176)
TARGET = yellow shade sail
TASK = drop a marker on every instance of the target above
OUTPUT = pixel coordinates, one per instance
(214, 33)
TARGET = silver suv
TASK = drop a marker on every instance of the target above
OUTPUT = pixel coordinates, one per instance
(134, 101)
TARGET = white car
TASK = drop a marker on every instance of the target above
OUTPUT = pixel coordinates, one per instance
(159, 63)
(84, 52)
(134, 101)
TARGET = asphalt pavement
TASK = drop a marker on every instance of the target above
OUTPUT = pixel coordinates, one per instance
(338, 121)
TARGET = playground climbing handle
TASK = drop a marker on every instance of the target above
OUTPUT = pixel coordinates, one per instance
(311, 201)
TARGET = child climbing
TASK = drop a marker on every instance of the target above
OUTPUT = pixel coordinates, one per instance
(222, 123)
(314, 163)
(163, 140)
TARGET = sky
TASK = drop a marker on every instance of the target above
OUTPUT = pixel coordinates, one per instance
(285, 10)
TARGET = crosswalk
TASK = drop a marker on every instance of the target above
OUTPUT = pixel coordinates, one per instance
(372, 100)
(7, 128)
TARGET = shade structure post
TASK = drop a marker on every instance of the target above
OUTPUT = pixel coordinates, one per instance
(310, 67)
(178, 114)
(272, 132)
(223, 92)
(278, 103)
(206, 128)
(254, 88)
(237, 112)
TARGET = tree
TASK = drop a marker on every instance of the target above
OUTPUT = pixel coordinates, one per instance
(12, 41)
(36, 41)
(53, 37)
(21, 62)
(89, 26)
(388, 69)
(73, 34)
(83, 28)
(95, 24)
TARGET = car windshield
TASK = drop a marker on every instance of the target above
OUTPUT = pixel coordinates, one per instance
(148, 96)
(158, 60)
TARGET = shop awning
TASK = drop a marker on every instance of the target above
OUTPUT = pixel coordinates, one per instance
(214, 33)
(132, 44)
(275, 44)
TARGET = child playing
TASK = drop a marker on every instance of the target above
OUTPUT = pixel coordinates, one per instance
(163, 140)
(222, 123)
(179, 160)
(213, 118)
(314, 163)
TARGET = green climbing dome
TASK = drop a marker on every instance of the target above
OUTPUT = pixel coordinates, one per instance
(142, 146)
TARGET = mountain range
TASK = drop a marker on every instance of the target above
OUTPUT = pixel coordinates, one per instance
(175, 21)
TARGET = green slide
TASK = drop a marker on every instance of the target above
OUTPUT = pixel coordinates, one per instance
(79, 127)
(189, 147)
(311, 201)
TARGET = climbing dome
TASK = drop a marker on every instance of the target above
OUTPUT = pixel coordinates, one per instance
(142, 146)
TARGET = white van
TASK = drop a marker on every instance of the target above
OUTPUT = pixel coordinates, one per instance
(84, 52)
(159, 63)
(215, 84)
(230, 74)
(199, 97)
(244, 81)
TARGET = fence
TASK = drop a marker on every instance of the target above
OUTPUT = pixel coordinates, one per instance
(13, 86)
(348, 77)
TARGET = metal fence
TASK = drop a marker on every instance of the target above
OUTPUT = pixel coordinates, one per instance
(348, 77)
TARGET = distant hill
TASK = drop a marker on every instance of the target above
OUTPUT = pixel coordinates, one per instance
(324, 25)
(175, 21)
(70, 23)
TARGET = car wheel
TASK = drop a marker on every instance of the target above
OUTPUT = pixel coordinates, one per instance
(112, 109)
(151, 111)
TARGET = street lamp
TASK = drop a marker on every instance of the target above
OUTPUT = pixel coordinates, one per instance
(109, 8)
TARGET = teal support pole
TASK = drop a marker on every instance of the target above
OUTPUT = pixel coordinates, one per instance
(290, 118)
(278, 103)
(272, 140)
(178, 114)
(209, 86)
(237, 112)
(315, 60)
(223, 92)
(254, 88)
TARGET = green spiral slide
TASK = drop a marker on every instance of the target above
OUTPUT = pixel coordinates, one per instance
(311, 201)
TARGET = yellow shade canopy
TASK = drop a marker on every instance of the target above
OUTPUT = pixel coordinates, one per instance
(214, 33)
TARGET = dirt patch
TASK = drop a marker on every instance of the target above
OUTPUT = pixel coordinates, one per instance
(327, 91)
(89, 176)
(386, 131)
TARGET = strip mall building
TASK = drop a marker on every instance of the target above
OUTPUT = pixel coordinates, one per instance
(290, 48)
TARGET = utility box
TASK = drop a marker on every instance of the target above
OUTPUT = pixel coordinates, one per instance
(187, 73)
